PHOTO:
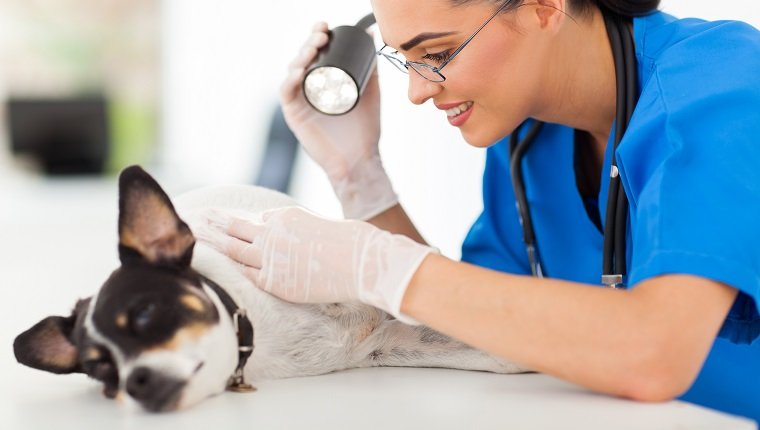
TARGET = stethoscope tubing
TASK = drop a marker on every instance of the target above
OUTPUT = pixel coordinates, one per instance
(517, 151)
(614, 267)
(616, 214)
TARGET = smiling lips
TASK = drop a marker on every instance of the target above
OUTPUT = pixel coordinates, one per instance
(457, 113)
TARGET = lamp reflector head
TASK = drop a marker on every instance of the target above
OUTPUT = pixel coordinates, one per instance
(331, 90)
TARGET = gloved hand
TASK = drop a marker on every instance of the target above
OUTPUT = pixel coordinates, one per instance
(346, 146)
(301, 257)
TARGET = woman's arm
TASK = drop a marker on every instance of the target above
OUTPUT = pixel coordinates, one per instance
(395, 220)
(647, 343)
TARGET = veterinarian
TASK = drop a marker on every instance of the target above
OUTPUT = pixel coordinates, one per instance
(683, 322)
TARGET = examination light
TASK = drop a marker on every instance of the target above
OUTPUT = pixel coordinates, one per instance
(337, 77)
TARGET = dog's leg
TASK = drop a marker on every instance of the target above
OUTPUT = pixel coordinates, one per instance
(396, 344)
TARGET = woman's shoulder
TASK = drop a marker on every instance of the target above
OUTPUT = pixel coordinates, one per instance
(661, 37)
(683, 62)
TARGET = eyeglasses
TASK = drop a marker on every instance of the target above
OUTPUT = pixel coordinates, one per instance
(427, 71)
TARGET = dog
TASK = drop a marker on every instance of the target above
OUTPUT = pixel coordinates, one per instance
(178, 322)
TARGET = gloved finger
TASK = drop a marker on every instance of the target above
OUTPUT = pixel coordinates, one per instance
(244, 252)
(287, 214)
(309, 50)
(245, 229)
(319, 26)
(291, 86)
(212, 229)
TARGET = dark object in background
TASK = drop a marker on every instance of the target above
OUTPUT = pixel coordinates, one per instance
(276, 169)
(67, 136)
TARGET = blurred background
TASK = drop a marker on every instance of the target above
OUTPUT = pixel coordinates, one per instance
(188, 88)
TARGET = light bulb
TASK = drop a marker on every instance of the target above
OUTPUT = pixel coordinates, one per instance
(341, 69)
(331, 90)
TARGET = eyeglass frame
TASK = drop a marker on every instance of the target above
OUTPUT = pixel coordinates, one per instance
(404, 66)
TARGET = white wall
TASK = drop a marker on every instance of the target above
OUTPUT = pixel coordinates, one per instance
(223, 62)
(744, 10)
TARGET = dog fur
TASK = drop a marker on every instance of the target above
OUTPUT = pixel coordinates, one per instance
(190, 355)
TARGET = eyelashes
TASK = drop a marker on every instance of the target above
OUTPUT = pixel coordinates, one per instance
(438, 57)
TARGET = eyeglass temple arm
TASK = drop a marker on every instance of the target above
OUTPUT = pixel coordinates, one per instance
(454, 54)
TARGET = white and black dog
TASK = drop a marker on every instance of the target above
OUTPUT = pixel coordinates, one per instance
(178, 322)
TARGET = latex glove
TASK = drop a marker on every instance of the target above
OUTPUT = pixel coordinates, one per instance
(301, 257)
(345, 146)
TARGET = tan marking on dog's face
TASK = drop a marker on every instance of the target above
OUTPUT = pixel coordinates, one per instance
(193, 302)
(92, 354)
(191, 332)
(121, 320)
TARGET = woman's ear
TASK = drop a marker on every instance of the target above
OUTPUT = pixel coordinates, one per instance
(551, 13)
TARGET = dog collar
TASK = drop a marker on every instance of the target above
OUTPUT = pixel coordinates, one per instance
(244, 333)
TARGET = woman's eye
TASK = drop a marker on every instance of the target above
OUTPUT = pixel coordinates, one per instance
(141, 317)
(437, 57)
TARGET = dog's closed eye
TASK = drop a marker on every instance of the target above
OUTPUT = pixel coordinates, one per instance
(141, 317)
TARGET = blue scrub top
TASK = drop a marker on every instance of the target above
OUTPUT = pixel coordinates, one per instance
(690, 166)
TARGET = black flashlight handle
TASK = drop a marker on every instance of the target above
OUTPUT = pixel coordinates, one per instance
(366, 21)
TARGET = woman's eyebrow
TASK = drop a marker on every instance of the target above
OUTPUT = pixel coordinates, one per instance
(416, 40)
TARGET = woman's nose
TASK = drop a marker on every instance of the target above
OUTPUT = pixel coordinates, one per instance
(421, 89)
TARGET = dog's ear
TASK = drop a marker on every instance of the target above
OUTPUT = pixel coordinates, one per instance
(149, 227)
(48, 346)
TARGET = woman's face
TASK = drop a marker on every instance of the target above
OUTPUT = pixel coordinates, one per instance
(495, 78)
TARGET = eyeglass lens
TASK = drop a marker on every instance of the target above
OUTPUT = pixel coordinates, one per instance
(425, 70)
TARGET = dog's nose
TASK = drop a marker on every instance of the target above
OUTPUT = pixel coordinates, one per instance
(156, 392)
(141, 383)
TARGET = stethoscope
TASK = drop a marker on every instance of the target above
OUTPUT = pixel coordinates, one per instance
(616, 217)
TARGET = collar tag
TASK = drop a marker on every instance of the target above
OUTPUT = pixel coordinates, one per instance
(237, 383)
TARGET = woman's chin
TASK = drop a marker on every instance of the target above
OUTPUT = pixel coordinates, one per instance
(479, 138)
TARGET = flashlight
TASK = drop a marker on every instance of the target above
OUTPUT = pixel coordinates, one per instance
(337, 77)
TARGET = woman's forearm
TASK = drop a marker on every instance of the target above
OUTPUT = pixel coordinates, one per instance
(620, 342)
(395, 220)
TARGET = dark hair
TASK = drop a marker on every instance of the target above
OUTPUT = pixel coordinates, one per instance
(626, 8)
